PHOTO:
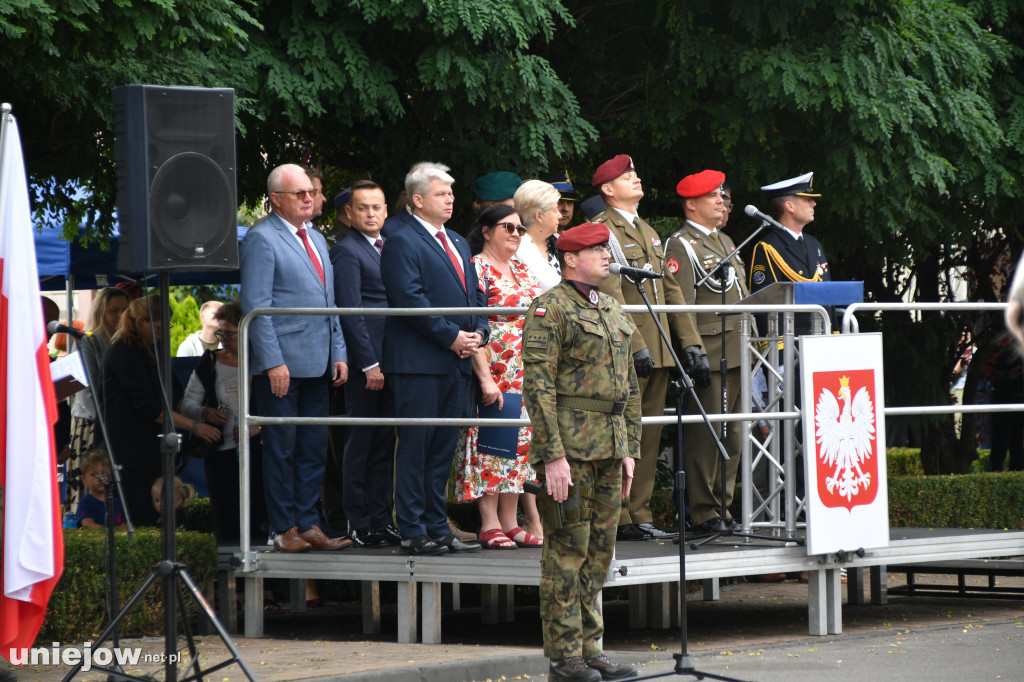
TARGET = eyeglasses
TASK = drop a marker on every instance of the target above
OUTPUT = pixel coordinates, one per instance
(301, 193)
(224, 336)
(728, 206)
(511, 228)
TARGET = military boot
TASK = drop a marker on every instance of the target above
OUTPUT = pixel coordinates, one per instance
(608, 669)
(572, 668)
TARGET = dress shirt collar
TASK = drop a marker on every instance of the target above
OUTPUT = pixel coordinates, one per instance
(795, 235)
(706, 232)
(630, 217)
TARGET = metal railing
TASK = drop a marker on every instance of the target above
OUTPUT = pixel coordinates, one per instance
(245, 419)
(785, 396)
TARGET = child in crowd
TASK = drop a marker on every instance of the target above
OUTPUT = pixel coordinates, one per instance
(92, 510)
(184, 496)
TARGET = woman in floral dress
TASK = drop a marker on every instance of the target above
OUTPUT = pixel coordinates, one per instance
(496, 482)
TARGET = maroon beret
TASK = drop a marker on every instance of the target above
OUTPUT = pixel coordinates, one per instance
(699, 184)
(582, 236)
(611, 169)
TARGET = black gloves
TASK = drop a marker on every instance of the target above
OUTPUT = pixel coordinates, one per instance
(697, 366)
(643, 362)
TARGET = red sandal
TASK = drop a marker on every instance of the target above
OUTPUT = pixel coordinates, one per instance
(496, 539)
(527, 541)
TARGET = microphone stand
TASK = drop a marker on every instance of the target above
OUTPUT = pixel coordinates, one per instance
(108, 504)
(684, 664)
(722, 271)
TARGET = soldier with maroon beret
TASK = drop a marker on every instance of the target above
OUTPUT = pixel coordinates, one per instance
(639, 246)
(580, 390)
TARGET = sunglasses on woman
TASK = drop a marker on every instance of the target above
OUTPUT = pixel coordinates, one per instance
(511, 228)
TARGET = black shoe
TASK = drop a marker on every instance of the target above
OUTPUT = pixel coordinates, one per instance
(364, 537)
(422, 546)
(390, 531)
(630, 531)
(572, 668)
(454, 544)
(709, 527)
(655, 532)
(609, 670)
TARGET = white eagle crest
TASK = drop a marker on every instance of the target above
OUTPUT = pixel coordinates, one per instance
(845, 437)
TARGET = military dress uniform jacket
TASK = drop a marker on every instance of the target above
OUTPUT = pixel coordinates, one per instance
(780, 258)
(579, 385)
(642, 245)
(689, 255)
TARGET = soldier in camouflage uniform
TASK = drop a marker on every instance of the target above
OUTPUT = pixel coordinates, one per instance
(581, 392)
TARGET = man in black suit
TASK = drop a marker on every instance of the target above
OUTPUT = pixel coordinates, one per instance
(368, 449)
(428, 357)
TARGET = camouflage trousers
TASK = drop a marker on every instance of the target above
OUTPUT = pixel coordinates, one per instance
(575, 560)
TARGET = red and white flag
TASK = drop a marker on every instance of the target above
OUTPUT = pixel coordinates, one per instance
(33, 548)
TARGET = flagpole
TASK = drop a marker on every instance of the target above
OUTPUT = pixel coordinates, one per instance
(5, 118)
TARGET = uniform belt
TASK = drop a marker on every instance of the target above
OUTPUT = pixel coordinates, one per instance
(591, 404)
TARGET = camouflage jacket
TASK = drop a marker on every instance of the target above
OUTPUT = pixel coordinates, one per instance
(577, 364)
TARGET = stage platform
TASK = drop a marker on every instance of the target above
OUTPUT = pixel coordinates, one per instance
(649, 569)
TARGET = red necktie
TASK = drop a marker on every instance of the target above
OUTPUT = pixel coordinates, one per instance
(312, 256)
(379, 244)
(451, 255)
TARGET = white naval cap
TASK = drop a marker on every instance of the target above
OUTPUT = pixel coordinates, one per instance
(799, 186)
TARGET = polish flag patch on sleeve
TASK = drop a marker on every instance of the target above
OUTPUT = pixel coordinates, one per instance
(540, 312)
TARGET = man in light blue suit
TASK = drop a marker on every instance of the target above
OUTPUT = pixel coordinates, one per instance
(428, 357)
(295, 358)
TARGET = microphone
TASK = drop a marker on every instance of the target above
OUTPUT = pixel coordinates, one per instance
(633, 273)
(752, 211)
(55, 327)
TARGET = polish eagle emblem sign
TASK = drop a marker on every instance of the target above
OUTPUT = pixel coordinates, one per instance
(845, 438)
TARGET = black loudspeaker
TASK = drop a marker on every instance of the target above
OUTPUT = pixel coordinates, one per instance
(175, 153)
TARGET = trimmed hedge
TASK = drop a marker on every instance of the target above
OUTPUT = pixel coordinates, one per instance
(77, 609)
(907, 462)
(901, 462)
(992, 500)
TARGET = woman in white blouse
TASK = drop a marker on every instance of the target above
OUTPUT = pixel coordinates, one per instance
(536, 202)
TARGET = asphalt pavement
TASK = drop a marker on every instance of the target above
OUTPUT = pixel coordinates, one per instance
(756, 631)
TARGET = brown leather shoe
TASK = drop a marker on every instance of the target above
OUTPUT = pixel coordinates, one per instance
(319, 540)
(289, 541)
(459, 533)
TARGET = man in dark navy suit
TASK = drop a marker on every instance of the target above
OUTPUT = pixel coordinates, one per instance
(368, 449)
(428, 357)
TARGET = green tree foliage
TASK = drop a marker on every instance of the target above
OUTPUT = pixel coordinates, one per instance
(184, 321)
(375, 86)
(61, 59)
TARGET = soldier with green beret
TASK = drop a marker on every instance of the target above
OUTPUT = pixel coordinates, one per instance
(581, 392)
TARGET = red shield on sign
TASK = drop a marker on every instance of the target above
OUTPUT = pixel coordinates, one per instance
(845, 441)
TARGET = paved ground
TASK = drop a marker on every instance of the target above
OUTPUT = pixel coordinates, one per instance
(756, 631)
